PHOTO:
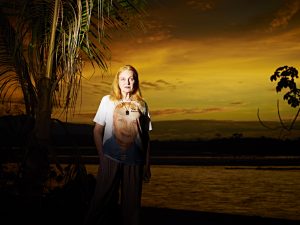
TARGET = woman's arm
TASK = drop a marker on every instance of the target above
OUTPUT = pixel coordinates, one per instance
(98, 139)
(147, 168)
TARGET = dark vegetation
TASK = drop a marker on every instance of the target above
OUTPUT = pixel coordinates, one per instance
(76, 139)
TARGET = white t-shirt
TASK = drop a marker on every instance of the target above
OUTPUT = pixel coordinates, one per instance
(126, 129)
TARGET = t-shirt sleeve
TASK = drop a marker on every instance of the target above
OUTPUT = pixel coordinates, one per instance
(100, 116)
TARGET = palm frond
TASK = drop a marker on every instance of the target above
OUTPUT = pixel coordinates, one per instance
(53, 39)
(13, 66)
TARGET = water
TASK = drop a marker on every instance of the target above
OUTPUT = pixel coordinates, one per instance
(259, 191)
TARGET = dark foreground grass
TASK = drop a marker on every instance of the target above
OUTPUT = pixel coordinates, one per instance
(164, 216)
(66, 208)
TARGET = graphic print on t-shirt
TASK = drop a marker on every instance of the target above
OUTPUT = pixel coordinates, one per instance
(125, 124)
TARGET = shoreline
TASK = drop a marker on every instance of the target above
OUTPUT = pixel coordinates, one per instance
(87, 155)
(241, 160)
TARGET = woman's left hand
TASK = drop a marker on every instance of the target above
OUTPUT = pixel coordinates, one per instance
(146, 174)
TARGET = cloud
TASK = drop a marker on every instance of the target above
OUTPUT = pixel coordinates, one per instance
(163, 82)
(172, 111)
(236, 103)
(158, 85)
(96, 87)
(203, 5)
(147, 85)
(285, 14)
(156, 31)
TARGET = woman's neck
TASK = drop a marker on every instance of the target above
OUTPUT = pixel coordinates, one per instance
(126, 97)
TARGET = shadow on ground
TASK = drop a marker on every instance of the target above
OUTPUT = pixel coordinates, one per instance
(164, 216)
(69, 211)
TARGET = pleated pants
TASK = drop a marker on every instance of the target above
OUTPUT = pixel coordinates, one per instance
(117, 196)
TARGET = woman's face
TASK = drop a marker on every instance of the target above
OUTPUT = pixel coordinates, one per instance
(126, 82)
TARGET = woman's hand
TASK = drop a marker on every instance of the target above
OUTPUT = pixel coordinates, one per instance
(98, 135)
(146, 174)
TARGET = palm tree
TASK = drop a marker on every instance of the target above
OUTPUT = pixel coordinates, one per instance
(43, 47)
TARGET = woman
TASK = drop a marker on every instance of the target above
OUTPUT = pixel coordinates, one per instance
(121, 135)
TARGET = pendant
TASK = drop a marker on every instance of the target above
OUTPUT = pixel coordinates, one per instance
(127, 112)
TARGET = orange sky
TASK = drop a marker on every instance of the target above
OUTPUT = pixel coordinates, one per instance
(205, 59)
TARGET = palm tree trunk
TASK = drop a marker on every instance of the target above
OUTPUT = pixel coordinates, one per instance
(43, 117)
(36, 163)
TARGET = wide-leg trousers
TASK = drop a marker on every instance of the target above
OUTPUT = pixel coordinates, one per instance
(117, 194)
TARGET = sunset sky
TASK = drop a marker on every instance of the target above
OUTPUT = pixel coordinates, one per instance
(205, 59)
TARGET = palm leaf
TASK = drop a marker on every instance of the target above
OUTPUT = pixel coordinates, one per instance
(13, 67)
(68, 33)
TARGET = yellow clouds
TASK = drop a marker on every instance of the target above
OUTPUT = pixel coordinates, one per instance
(184, 111)
(285, 14)
(181, 79)
(208, 59)
(203, 5)
(157, 85)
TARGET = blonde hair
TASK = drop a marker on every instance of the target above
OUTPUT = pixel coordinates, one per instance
(116, 91)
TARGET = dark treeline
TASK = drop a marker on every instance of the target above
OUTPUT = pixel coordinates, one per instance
(227, 146)
(71, 140)
(14, 132)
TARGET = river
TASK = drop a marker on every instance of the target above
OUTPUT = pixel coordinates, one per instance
(271, 191)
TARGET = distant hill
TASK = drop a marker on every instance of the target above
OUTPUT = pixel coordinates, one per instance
(14, 130)
(198, 130)
(216, 129)
(18, 126)
(177, 138)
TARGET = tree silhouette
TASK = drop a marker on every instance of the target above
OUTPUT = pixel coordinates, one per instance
(43, 47)
(285, 77)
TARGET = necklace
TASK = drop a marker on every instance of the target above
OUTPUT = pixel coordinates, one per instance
(127, 110)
